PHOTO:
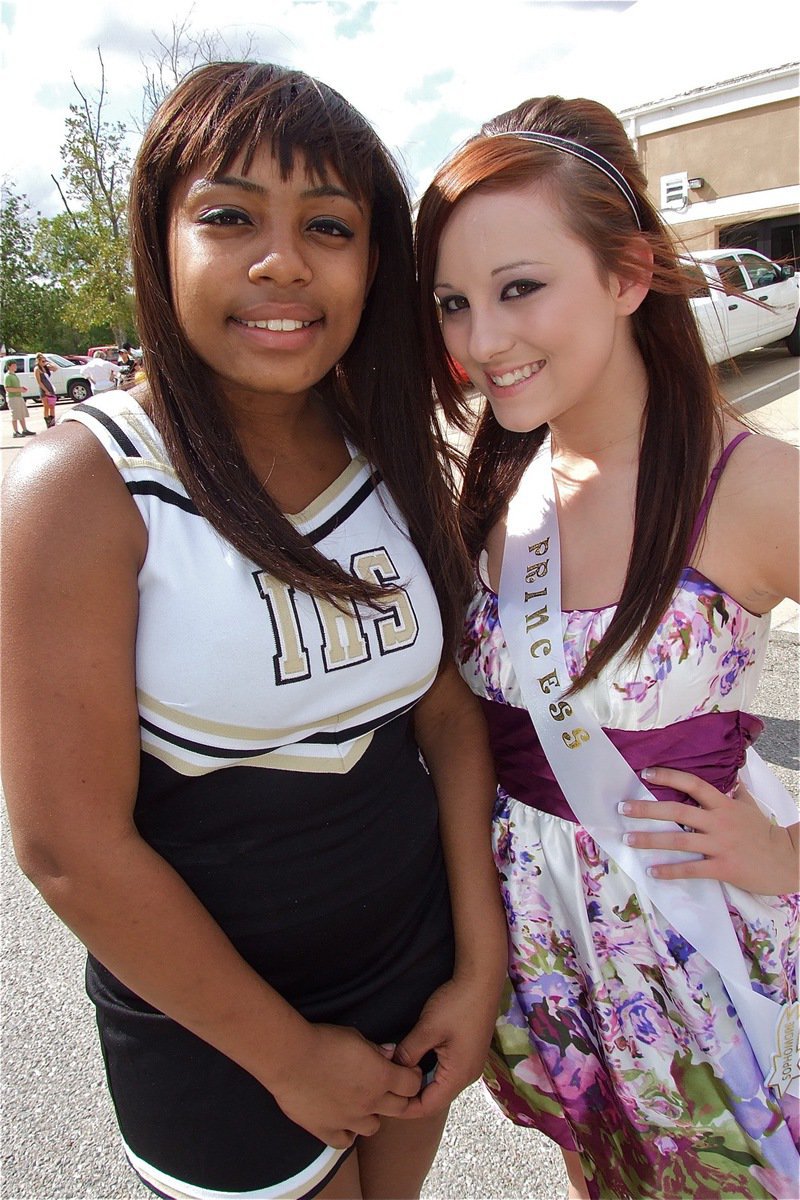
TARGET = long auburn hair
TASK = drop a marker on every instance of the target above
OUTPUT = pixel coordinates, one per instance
(380, 389)
(682, 427)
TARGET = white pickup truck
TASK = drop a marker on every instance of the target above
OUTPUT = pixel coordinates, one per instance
(728, 281)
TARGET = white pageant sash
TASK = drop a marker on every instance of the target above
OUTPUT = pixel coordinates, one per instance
(595, 777)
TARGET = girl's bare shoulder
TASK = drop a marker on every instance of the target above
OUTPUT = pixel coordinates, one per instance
(63, 489)
(763, 470)
(752, 531)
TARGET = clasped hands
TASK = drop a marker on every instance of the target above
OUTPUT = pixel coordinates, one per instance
(343, 1084)
(738, 842)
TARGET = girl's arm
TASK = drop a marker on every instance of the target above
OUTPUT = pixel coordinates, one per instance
(754, 542)
(751, 544)
(458, 1020)
(70, 768)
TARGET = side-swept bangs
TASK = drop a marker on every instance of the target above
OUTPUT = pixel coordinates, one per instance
(228, 109)
(379, 390)
(225, 110)
(683, 421)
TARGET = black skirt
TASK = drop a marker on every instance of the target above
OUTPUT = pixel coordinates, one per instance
(333, 888)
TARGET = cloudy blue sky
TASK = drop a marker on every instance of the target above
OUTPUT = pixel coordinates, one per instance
(425, 72)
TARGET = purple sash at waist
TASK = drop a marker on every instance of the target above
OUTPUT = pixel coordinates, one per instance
(712, 746)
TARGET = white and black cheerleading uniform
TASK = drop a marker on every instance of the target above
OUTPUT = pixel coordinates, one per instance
(281, 779)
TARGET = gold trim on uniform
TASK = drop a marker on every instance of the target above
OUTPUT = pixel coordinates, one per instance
(182, 720)
(311, 760)
(331, 493)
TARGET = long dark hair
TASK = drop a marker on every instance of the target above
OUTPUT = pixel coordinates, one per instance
(379, 389)
(682, 426)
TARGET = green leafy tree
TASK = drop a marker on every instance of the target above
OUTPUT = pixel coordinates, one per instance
(31, 304)
(75, 266)
(86, 247)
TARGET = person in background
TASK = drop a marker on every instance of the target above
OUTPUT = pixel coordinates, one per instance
(41, 373)
(15, 397)
(100, 373)
(630, 538)
(269, 816)
(126, 368)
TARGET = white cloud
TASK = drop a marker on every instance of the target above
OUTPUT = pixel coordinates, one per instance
(425, 72)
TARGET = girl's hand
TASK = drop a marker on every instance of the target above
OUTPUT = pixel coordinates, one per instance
(343, 1085)
(738, 842)
(457, 1023)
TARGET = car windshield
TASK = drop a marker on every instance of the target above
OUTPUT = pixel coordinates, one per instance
(58, 361)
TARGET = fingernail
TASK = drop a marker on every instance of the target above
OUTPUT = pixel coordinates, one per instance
(624, 808)
(648, 772)
(627, 839)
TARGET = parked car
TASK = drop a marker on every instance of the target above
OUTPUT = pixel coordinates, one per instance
(728, 283)
(461, 376)
(78, 359)
(67, 378)
(112, 352)
(109, 352)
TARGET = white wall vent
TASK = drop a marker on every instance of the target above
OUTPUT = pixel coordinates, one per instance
(675, 191)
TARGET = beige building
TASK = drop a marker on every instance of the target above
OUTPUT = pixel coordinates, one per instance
(723, 162)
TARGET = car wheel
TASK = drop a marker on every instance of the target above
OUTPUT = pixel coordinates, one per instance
(793, 340)
(3, 401)
(78, 390)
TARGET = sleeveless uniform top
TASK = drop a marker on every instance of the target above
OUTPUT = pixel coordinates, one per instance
(312, 686)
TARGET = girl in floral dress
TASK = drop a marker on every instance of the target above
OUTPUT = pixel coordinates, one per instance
(559, 292)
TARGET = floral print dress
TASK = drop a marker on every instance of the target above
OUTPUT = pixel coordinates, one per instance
(615, 1037)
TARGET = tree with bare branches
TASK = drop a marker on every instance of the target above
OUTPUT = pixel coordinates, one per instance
(83, 251)
(179, 53)
(86, 246)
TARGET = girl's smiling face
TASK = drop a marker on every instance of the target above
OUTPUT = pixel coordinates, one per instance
(269, 276)
(526, 310)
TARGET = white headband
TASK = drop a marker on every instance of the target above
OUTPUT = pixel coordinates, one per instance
(579, 151)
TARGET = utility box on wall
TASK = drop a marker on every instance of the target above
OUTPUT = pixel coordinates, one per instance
(722, 162)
